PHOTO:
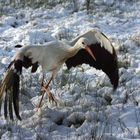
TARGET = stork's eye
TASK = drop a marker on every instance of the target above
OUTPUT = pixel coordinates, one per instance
(83, 43)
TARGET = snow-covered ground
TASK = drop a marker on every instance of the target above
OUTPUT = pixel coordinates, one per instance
(84, 110)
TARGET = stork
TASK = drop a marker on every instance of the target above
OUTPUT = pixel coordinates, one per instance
(99, 54)
(50, 56)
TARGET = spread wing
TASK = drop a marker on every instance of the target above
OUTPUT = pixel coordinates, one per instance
(106, 58)
(10, 84)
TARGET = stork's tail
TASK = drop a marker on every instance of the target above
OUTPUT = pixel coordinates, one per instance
(9, 89)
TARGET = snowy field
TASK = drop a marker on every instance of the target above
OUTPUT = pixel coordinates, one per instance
(87, 108)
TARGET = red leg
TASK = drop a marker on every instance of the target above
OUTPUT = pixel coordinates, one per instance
(50, 96)
(45, 89)
(42, 80)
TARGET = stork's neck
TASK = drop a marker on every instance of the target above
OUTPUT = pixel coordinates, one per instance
(74, 41)
(73, 50)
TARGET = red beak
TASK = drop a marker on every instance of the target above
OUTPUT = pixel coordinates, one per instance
(90, 52)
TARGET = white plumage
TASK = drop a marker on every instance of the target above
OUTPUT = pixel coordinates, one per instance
(95, 36)
(51, 55)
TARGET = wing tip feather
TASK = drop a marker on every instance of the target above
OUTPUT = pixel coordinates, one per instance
(10, 87)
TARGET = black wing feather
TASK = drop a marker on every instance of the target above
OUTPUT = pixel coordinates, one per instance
(105, 61)
(34, 67)
(5, 105)
(10, 85)
(27, 62)
(16, 95)
(10, 105)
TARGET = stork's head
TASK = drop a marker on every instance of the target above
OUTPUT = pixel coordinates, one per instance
(83, 43)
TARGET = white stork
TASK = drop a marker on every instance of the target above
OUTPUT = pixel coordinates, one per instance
(99, 54)
(50, 56)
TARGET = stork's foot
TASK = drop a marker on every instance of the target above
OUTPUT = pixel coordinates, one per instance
(50, 95)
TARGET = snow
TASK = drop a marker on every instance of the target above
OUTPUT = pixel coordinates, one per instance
(87, 108)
